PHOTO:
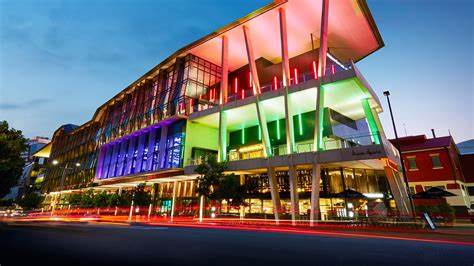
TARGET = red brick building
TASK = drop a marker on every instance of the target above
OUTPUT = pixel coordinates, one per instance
(466, 149)
(435, 162)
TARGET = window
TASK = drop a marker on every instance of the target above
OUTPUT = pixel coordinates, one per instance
(440, 187)
(435, 161)
(412, 190)
(470, 190)
(412, 163)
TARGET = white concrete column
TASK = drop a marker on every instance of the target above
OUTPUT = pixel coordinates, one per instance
(201, 208)
(222, 149)
(323, 39)
(225, 70)
(290, 135)
(293, 176)
(315, 181)
(173, 201)
(399, 192)
(251, 59)
(318, 121)
(262, 120)
(284, 48)
(274, 193)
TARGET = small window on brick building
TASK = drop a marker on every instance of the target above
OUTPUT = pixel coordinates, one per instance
(435, 161)
(412, 163)
(470, 190)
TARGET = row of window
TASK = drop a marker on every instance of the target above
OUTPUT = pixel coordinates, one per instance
(435, 162)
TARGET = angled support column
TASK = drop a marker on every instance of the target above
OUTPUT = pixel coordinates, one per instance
(290, 135)
(374, 131)
(285, 62)
(162, 149)
(274, 193)
(251, 59)
(222, 149)
(225, 70)
(323, 38)
(293, 176)
(315, 180)
(399, 192)
(262, 120)
(256, 91)
(319, 120)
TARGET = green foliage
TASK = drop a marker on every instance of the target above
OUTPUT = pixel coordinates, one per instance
(140, 196)
(75, 199)
(215, 185)
(30, 201)
(229, 188)
(6, 202)
(444, 210)
(12, 144)
(100, 200)
(119, 200)
(87, 198)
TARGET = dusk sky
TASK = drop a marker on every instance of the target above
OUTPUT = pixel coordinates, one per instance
(60, 60)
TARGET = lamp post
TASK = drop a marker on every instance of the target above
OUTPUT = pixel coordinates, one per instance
(397, 144)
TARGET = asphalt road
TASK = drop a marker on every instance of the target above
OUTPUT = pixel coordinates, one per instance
(55, 244)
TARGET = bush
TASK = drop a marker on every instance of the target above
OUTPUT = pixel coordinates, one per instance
(140, 196)
(6, 202)
(119, 200)
(100, 200)
(30, 201)
(444, 210)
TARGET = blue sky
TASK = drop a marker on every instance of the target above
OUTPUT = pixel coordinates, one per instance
(60, 60)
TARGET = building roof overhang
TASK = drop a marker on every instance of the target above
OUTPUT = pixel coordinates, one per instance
(352, 35)
(44, 152)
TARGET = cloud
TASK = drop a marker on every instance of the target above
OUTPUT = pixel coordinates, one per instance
(27, 104)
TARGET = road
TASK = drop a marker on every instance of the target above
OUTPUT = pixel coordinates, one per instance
(96, 244)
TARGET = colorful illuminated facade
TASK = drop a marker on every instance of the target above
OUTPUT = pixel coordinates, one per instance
(276, 94)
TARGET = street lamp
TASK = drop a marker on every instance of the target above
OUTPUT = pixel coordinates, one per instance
(397, 145)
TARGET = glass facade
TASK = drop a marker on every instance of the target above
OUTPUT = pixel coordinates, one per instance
(140, 153)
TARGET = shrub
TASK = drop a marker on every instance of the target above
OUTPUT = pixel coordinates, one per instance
(30, 201)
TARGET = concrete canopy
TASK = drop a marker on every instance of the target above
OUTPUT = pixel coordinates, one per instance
(352, 32)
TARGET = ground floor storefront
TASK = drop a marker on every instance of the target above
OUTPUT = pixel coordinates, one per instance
(344, 193)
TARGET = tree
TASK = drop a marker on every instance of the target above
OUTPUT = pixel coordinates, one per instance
(75, 199)
(12, 144)
(30, 201)
(215, 185)
(100, 200)
(140, 196)
(121, 200)
(87, 198)
(230, 189)
(210, 173)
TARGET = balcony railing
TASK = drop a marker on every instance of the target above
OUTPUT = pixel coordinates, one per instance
(277, 85)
